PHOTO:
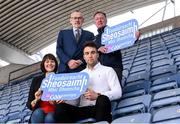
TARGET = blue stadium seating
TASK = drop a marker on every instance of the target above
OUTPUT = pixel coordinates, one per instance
(137, 78)
(136, 89)
(163, 71)
(165, 98)
(169, 82)
(139, 104)
(136, 118)
(167, 114)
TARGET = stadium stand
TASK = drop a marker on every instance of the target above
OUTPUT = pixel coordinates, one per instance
(151, 85)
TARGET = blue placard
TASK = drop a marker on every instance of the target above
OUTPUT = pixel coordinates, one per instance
(120, 36)
(67, 86)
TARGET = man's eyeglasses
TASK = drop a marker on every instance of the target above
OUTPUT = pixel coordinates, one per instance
(78, 18)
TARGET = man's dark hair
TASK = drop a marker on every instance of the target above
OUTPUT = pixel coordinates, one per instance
(50, 57)
(100, 13)
(90, 44)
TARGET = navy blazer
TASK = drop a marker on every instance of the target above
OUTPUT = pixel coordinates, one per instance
(68, 48)
(113, 59)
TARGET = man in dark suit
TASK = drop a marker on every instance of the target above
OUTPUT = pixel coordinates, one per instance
(113, 59)
(70, 43)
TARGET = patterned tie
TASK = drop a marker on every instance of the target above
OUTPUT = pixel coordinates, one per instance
(77, 35)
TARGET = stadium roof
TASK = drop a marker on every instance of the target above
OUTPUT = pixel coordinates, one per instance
(30, 25)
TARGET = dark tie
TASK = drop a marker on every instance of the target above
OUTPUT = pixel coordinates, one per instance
(77, 35)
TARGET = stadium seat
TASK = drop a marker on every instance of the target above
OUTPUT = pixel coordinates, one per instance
(136, 118)
(4, 112)
(137, 78)
(136, 89)
(162, 72)
(157, 50)
(14, 117)
(167, 114)
(4, 105)
(4, 119)
(140, 68)
(138, 104)
(161, 57)
(161, 63)
(164, 83)
(165, 86)
(26, 119)
(174, 121)
(165, 98)
(141, 61)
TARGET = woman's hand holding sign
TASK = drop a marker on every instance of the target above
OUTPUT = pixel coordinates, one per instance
(59, 101)
(38, 94)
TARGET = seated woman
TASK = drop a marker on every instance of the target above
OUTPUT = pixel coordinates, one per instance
(43, 111)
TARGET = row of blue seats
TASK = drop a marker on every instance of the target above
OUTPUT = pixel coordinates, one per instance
(138, 101)
(165, 115)
(152, 47)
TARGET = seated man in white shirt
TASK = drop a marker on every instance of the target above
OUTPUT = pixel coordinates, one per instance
(103, 87)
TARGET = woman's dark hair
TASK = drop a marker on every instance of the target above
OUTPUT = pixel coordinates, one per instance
(50, 57)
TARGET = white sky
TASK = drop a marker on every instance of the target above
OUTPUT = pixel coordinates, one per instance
(141, 15)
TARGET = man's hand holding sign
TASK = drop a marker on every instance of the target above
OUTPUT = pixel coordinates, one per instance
(119, 36)
(64, 86)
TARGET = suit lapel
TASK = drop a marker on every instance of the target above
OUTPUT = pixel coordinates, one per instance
(72, 35)
(80, 43)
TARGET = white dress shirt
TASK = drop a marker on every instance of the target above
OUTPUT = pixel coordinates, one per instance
(75, 31)
(103, 80)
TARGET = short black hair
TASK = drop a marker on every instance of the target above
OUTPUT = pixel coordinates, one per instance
(100, 13)
(50, 57)
(90, 44)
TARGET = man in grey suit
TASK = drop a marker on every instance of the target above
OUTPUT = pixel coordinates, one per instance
(70, 43)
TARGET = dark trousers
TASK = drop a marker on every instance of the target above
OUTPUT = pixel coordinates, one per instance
(101, 111)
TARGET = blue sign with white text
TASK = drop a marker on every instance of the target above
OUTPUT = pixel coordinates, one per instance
(67, 86)
(120, 36)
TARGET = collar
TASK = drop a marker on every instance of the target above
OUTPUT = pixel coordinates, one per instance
(74, 30)
(95, 67)
(101, 30)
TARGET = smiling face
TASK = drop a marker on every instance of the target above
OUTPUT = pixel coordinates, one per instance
(49, 65)
(100, 20)
(76, 19)
(91, 56)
